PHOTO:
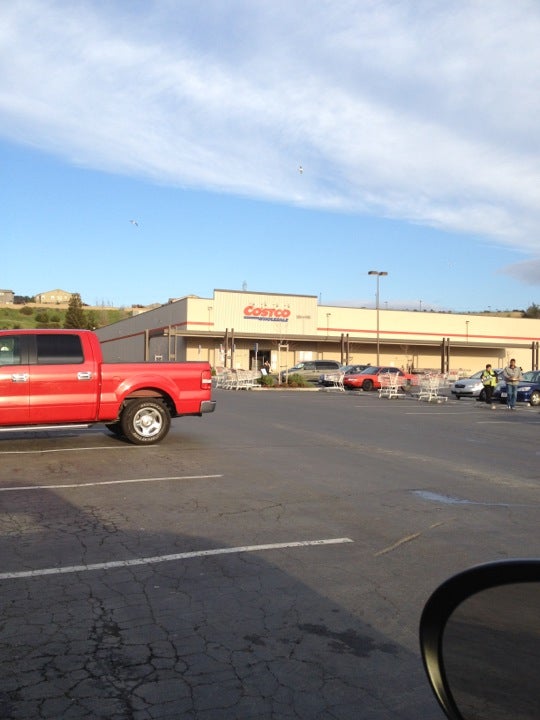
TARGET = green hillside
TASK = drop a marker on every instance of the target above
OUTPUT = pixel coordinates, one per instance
(20, 317)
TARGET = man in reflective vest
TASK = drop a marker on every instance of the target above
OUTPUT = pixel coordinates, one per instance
(489, 380)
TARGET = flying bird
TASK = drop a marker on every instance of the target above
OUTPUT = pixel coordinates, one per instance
(134, 222)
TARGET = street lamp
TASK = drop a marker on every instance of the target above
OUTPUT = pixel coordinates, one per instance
(378, 274)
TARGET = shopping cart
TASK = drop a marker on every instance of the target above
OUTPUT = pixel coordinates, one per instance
(391, 385)
(430, 386)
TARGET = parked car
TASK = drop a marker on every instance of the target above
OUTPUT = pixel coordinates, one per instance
(329, 378)
(471, 387)
(528, 389)
(311, 369)
(369, 378)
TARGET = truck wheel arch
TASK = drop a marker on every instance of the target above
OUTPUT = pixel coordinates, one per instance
(152, 394)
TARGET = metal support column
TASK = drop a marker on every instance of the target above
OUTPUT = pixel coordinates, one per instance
(445, 355)
(535, 353)
(226, 347)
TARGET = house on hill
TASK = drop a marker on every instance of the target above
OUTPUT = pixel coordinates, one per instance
(53, 297)
(7, 297)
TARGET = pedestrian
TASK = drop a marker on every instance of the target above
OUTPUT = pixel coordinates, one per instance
(512, 375)
(489, 380)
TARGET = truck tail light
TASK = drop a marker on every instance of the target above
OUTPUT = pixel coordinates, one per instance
(206, 379)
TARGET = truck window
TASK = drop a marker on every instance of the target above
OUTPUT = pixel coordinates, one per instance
(10, 352)
(59, 350)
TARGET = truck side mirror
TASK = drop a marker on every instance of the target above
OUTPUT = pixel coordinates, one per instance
(480, 642)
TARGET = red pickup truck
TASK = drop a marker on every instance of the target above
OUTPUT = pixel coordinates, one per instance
(52, 379)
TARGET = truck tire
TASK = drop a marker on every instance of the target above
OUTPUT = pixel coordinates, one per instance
(145, 421)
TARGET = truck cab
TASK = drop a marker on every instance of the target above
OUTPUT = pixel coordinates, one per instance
(48, 377)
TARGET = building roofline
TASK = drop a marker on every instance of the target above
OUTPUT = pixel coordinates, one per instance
(262, 292)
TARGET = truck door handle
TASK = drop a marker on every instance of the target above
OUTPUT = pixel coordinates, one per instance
(20, 377)
(84, 376)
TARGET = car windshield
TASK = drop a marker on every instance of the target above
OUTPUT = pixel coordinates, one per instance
(532, 376)
(353, 369)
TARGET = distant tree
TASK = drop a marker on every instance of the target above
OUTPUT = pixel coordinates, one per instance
(21, 299)
(43, 317)
(92, 321)
(533, 311)
(75, 317)
(25, 310)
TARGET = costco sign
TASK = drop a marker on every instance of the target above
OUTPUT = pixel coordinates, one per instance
(252, 312)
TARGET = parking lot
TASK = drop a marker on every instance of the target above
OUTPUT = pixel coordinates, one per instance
(268, 561)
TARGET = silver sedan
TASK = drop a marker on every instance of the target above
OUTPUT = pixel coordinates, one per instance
(471, 387)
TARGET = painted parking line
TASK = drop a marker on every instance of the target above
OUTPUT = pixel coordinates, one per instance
(72, 449)
(15, 488)
(168, 558)
(429, 412)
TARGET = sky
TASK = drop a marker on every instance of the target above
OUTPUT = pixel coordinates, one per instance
(152, 149)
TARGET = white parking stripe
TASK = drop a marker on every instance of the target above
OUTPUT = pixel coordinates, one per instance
(168, 558)
(14, 488)
(72, 449)
(433, 412)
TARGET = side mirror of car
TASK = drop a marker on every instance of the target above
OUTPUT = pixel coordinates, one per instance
(480, 642)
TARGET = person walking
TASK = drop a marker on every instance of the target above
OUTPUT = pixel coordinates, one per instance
(489, 380)
(512, 375)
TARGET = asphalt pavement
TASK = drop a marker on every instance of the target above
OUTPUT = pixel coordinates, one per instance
(268, 561)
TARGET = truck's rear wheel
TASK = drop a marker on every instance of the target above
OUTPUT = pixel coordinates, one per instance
(145, 421)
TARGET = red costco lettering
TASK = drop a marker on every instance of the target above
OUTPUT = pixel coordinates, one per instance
(252, 311)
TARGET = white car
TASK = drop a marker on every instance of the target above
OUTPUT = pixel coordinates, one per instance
(471, 387)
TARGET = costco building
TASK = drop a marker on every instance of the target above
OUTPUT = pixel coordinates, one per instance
(241, 329)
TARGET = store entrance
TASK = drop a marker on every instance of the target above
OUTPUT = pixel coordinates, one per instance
(257, 360)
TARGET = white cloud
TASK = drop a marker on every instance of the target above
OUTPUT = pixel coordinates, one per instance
(414, 110)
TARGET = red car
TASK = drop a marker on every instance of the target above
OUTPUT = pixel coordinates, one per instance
(368, 379)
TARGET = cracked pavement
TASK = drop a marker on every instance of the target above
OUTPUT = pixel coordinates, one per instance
(306, 633)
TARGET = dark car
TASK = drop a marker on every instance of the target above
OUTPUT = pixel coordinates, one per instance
(329, 378)
(369, 378)
(528, 389)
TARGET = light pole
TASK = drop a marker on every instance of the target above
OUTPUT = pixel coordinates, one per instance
(378, 274)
